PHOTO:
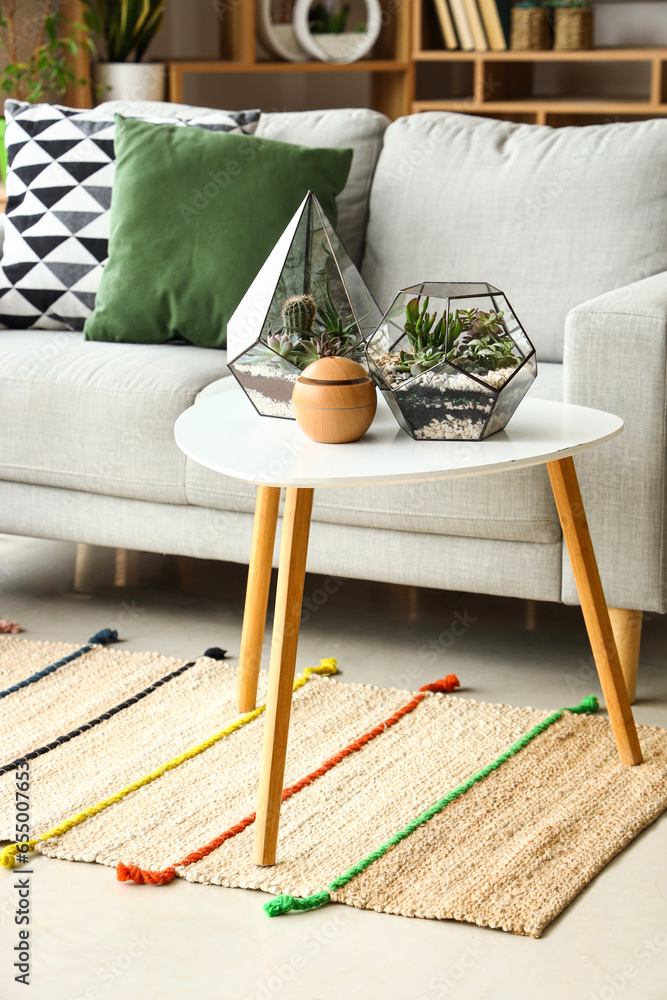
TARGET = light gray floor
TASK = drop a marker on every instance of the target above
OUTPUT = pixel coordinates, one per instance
(97, 939)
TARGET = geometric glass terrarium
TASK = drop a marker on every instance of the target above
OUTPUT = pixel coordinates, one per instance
(452, 360)
(307, 302)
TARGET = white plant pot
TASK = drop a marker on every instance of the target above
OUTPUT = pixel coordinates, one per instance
(345, 47)
(129, 81)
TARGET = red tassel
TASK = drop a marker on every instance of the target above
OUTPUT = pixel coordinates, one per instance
(443, 686)
(127, 873)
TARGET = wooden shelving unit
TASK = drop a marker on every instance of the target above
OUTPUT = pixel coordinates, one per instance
(391, 68)
(503, 85)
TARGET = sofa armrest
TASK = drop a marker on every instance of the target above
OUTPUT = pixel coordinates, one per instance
(616, 359)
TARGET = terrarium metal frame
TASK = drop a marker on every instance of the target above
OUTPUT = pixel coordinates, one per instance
(437, 386)
(313, 309)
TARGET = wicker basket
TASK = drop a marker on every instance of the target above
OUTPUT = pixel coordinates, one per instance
(573, 29)
(530, 29)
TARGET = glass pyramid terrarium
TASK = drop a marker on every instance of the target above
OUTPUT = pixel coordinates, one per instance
(452, 360)
(307, 302)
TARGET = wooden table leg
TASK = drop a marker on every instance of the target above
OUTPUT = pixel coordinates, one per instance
(257, 596)
(289, 595)
(567, 495)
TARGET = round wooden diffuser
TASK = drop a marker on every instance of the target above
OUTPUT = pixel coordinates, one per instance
(334, 401)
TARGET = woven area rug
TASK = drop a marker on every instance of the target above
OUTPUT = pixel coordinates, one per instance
(423, 804)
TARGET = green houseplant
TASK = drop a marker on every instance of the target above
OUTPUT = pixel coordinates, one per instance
(125, 29)
(40, 45)
(452, 360)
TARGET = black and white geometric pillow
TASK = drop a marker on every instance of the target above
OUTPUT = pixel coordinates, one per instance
(59, 178)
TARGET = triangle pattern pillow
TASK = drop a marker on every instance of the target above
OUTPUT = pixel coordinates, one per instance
(59, 179)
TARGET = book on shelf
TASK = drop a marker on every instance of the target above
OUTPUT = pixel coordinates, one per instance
(463, 29)
(446, 24)
(489, 9)
(504, 8)
(476, 26)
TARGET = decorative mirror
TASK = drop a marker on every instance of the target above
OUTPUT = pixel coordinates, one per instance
(275, 28)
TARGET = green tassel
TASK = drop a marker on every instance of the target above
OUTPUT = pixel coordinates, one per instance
(285, 903)
(589, 704)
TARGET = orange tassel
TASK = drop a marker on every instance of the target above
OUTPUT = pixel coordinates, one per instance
(443, 686)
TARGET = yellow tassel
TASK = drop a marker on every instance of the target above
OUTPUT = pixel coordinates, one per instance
(8, 855)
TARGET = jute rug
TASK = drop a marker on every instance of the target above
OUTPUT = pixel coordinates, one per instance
(423, 804)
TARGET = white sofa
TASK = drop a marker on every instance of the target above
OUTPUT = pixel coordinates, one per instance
(570, 223)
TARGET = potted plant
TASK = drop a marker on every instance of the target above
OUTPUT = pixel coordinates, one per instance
(573, 25)
(530, 26)
(39, 45)
(452, 360)
(126, 28)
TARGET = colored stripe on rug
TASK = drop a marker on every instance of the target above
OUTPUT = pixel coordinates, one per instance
(284, 902)
(126, 873)
(8, 855)
(213, 653)
(103, 638)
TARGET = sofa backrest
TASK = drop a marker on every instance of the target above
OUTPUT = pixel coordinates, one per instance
(352, 128)
(553, 217)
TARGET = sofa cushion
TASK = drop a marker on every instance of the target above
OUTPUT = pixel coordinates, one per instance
(511, 506)
(182, 253)
(552, 216)
(355, 128)
(61, 170)
(97, 417)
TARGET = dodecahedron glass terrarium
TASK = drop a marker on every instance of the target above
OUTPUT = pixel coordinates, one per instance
(452, 360)
(307, 302)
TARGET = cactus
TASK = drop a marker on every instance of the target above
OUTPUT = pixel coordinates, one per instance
(298, 314)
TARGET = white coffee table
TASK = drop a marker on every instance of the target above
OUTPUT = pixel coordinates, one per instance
(224, 433)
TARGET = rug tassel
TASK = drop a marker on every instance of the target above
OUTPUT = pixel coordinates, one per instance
(443, 686)
(105, 637)
(215, 653)
(8, 856)
(589, 704)
(284, 903)
(325, 669)
(132, 873)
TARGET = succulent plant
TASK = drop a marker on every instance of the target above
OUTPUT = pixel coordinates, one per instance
(483, 323)
(328, 346)
(424, 329)
(310, 332)
(298, 314)
(284, 344)
(487, 354)
(435, 340)
(420, 361)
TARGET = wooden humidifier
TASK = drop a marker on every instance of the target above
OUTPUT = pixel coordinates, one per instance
(334, 401)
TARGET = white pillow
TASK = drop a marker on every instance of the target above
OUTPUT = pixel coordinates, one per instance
(59, 181)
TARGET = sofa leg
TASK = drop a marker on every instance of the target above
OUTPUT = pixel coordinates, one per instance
(126, 570)
(185, 574)
(530, 609)
(85, 558)
(627, 627)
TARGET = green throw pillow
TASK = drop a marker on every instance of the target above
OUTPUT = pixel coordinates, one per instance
(194, 215)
